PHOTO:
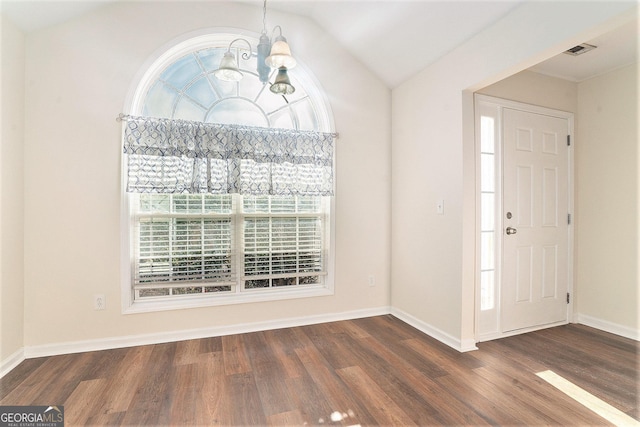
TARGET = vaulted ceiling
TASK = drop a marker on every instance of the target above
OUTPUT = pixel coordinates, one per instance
(393, 38)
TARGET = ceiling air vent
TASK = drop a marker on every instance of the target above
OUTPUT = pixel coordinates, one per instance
(580, 49)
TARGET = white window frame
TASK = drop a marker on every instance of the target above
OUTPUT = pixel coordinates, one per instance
(173, 51)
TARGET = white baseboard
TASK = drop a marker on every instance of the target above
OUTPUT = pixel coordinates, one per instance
(605, 325)
(11, 362)
(16, 358)
(215, 331)
(453, 342)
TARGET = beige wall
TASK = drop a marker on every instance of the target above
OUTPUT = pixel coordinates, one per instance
(11, 190)
(607, 216)
(78, 76)
(433, 259)
(536, 89)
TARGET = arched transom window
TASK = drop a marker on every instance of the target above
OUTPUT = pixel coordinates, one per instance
(184, 87)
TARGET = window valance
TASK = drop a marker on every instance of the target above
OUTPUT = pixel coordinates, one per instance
(178, 156)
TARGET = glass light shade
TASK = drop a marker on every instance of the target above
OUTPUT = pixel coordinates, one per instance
(280, 55)
(228, 70)
(282, 85)
(263, 51)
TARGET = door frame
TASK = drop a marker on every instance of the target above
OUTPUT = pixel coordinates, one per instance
(494, 330)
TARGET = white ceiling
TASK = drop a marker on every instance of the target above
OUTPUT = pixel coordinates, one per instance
(393, 38)
(398, 38)
(32, 15)
(613, 50)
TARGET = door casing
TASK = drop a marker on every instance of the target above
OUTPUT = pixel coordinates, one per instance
(488, 330)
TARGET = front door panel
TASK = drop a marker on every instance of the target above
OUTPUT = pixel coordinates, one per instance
(535, 208)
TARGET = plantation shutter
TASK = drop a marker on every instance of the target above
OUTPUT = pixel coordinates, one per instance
(294, 247)
(184, 240)
(283, 241)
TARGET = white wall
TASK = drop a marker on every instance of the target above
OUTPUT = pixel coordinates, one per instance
(433, 157)
(11, 192)
(78, 75)
(607, 214)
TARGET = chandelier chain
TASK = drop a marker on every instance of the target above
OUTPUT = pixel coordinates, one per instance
(264, 17)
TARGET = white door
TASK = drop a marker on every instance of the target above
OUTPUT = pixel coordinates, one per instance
(535, 237)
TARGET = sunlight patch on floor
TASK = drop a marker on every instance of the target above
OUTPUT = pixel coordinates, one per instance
(337, 416)
(606, 411)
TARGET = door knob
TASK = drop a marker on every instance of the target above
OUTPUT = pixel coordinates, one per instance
(511, 230)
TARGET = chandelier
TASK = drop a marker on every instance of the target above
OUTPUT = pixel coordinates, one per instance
(271, 53)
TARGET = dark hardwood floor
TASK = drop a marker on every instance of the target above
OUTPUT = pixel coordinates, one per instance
(372, 371)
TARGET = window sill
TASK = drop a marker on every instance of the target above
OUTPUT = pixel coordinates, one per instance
(218, 300)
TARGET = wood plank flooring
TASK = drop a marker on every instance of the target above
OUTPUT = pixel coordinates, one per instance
(372, 371)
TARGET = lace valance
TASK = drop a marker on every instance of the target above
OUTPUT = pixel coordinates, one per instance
(177, 156)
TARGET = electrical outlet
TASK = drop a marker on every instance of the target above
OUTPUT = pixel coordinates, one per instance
(372, 280)
(99, 302)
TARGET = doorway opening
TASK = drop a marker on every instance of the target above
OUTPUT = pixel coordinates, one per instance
(524, 195)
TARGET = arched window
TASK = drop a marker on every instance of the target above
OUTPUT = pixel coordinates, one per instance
(181, 85)
(208, 242)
